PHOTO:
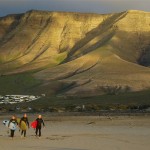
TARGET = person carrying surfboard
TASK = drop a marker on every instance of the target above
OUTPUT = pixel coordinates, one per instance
(40, 122)
(14, 121)
(25, 119)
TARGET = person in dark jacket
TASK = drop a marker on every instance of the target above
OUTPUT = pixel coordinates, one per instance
(25, 119)
(40, 122)
(12, 120)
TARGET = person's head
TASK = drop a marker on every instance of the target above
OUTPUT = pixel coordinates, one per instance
(25, 115)
(39, 116)
(13, 117)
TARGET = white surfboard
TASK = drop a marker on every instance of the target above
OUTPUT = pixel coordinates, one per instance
(12, 125)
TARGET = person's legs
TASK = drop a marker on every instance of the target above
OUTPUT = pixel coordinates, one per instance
(36, 131)
(24, 133)
(12, 133)
(39, 131)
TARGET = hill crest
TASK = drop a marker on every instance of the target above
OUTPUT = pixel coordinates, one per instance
(79, 52)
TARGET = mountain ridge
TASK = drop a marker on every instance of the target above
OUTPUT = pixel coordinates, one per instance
(85, 52)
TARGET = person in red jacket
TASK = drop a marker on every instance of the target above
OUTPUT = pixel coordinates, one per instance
(40, 123)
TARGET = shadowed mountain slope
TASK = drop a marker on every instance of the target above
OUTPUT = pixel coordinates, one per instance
(78, 54)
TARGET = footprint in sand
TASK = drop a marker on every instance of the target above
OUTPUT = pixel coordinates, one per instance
(89, 123)
(57, 137)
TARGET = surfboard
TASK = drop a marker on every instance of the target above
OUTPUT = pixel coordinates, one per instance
(12, 125)
(23, 125)
(34, 124)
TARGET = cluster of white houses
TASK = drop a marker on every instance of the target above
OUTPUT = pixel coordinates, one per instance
(12, 99)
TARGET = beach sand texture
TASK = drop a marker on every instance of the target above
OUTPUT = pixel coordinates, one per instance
(83, 133)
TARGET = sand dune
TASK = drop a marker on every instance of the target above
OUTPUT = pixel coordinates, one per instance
(84, 133)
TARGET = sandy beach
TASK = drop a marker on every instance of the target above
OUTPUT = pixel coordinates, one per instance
(82, 133)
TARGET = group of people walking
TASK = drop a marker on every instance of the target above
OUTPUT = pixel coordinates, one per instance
(40, 123)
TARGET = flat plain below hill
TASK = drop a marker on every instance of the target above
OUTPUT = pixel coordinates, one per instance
(83, 133)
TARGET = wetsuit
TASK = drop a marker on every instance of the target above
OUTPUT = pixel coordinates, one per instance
(39, 126)
(12, 131)
(25, 119)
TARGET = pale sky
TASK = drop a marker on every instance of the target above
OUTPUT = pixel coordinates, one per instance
(94, 6)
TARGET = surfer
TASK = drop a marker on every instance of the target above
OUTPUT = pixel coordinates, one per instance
(14, 121)
(25, 119)
(39, 125)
